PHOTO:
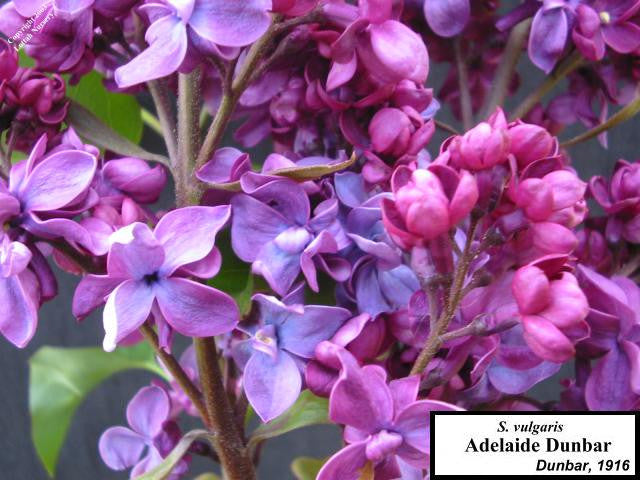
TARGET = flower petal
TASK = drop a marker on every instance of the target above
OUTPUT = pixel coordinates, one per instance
(148, 410)
(345, 464)
(196, 310)
(134, 253)
(19, 312)
(91, 292)
(189, 234)
(127, 308)
(549, 33)
(163, 57)
(300, 334)
(231, 24)
(253, 225)
(447, 17)
(57, 180)
(120, 448)
(271, 385)
(360, 397)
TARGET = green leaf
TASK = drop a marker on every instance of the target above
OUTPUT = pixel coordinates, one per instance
(60, 379)
(307, 468)
(98, 133)
(235, 276)
(24, 60)
(308, 410)
(300, 174)
(119, 111)
(163, 470)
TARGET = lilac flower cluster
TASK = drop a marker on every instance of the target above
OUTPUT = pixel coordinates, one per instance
(384, 272)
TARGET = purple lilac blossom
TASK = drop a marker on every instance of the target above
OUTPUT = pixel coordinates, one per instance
(283, 336)
(146, 273)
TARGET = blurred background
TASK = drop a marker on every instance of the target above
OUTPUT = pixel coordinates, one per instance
(105, 406)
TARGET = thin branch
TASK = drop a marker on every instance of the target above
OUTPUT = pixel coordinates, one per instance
(507, 68)
(176, 371)
(455, 295)
(233, 454)
(622, 115)
(446, 127)
(463, 85)
(230, 99)
(188, 131)
(564, 68)
(162, 100)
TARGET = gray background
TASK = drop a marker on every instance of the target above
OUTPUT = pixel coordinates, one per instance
(106, 405)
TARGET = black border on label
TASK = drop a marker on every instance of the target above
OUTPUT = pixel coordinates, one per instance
(432, 435)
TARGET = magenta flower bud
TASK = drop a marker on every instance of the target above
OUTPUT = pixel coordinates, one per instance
(424, 205)
(552, 306)
(529, 143)
(8, 61)
(397, 132)
(428, 202)
(481, 147)
(558, 197)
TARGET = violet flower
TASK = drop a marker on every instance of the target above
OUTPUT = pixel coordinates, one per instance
(614, 380)
(272, 229)
(45, 189)
(550, 32)
(145, 273)
(151, 430)
(606, 22)
(205, 24)
(283, 338)
(19, 292)
(620, 199)
(385, 424)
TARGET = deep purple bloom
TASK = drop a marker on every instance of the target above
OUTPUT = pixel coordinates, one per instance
(19, 293)
(151, 429)
(272, 229)
(550, 32)
(283, 337)
(606, 22)
(385, 424)
(620, 198)
(206, 24)
(145, 274)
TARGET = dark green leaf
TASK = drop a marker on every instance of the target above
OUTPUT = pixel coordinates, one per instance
(118, 111)
(96, 132)
(306, 468)
(60, 379)
(308, 410)
(163, 470)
